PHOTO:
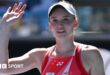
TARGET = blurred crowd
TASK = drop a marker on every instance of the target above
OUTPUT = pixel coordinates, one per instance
(35, 19)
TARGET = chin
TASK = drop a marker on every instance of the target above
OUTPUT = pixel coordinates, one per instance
(61, 35)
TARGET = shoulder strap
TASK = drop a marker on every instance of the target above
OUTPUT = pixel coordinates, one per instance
(46, 59)
(44, 62)
(79, 61)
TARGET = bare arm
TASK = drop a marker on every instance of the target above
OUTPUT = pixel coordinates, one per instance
(95, 61)
(92, 60)
(30, 60)
(12, 15)
(97, 66)
(9, 18)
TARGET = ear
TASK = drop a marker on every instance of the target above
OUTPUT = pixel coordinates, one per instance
(76, 22)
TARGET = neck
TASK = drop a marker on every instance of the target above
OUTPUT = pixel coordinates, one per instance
(64, 46)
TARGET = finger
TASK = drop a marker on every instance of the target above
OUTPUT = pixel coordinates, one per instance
(18, 7)
(9, 9)
(14, 7)
(23, 8)
(20, 14)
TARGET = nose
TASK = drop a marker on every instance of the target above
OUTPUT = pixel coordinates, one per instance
(59, 25)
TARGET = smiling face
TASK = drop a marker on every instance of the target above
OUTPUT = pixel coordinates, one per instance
(61, 23)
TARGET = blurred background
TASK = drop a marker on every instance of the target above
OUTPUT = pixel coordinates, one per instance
(32, 30)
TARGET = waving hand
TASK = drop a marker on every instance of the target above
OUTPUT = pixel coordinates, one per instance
(13, 14)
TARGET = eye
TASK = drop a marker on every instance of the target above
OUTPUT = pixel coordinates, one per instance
(65, 20)
(54, 20)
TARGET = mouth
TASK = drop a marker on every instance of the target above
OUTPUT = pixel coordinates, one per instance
(61, 31)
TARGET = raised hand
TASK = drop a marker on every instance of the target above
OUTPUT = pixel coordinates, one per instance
(13, 14)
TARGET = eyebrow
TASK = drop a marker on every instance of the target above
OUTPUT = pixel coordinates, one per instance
(66, 16)
(53, 17)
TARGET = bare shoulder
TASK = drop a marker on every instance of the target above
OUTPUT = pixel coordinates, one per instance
(38, 54)
(39, 51)
(92, 59)
(89, 50)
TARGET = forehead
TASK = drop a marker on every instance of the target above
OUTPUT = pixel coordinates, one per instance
(58, 9)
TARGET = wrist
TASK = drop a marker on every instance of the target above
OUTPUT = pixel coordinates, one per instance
(4, 27)
(2, 23)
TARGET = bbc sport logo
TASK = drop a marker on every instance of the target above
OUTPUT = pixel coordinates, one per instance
(5, 66)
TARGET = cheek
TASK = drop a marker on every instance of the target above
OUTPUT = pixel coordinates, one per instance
(67, 26)
(70, 27)
(51, 27)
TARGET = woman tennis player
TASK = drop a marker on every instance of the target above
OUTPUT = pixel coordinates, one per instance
(66, 57)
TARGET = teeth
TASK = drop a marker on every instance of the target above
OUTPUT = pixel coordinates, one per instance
(60, 31)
